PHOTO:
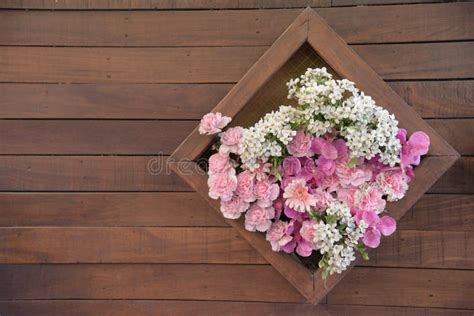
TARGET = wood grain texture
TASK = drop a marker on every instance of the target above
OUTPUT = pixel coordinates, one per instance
(438, 99)
(125, 245)
(378, 2)
(215, 64)
(458, 179)
(409, 249)
(90, 173)
(406, 287)
(143, 137)
(142, 173)
(92, 137)
(442, 212)
(205, 308)
(446, 212)
(403, 287)
(436, 22)
(146, 281)
(420, 61)
(106, 209)
(109, 101)
(431, 99)
(160, 4)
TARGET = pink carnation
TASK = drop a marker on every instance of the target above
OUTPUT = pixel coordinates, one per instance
(370, 199)
(259, 218)
(324, 148)
(278, 235)
(234, 207)
(326, 166)
(297, 196)
(377, 226)
(222, 185)
(394, 183)
(323, 198)
(213, 123)
(246, 185)
(219, 163)
(300, 145)
(307, 231)
(354, 176)
(230, 140)
(266, 192)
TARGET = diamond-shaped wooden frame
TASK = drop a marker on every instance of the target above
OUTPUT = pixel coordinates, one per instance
(310, 28)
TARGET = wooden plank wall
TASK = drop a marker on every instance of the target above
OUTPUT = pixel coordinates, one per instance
(93, 92)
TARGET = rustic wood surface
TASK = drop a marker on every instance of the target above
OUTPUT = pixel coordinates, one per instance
(92, 94)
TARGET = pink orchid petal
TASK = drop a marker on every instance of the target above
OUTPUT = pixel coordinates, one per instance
(371, 218)
(387, 225)
(419, 143)
(371, 238)
(304, 249)
(328, 151)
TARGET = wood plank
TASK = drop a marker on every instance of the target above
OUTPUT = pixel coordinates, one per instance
(425, 249)
(92, 137)
(454, 131)
(446, 212)
(458, 179)
(395, 287)
(420, 61)
(214, 64)
(90, 173)
(401, 23)
(438, 99)
(138, 65)
(109, 101)
(378, 2)
(125, 245)
(431, 99)
(159, 4)
(143, 173)
(204, 308)
(106, 209)
(141, 28)
(146, 281)
(436, 22)
(406, 287)
(417, 249)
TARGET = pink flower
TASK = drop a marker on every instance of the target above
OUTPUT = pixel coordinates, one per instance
(348, 196)
(370, 199)
(307, 231)
(259, 218)
(277, 235)
(377, 226)
(300, 144)
(263, 170)
(266, 192)
(291, 166)
(230, 140)
(394, 183)
(234, 207)
(219, 163)
(222, 185)
(324, 148)
(246, 185)
(297, 196)
(354, 176)
(326, 166)
(213, 123)
(417, 146)
(323, 198)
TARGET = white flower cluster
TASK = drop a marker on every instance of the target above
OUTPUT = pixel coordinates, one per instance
(338, 239)
(266, 137)
(368, 129)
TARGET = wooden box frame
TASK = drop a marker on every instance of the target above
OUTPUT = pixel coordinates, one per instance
(310, 28)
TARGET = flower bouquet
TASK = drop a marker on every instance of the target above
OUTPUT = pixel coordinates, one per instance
(315, 177)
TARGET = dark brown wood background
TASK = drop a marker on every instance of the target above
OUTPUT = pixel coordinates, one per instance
(92, 92)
